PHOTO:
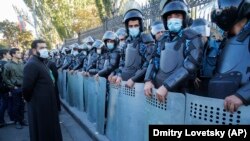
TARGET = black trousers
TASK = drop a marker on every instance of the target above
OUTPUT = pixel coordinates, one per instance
(6, 103)
(18, 105)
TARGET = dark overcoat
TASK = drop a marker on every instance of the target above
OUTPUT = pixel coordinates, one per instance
(39, 92)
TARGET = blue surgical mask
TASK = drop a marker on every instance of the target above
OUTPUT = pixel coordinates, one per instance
(99, 51)
(122, 43)
(174, 24)
(85, 52)
(75, 53)
(110, 46)
(89, 47)
(134, 31)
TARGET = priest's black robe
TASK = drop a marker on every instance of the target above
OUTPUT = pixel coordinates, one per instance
(39, 92)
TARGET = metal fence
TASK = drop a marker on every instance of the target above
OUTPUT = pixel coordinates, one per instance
(151, 13)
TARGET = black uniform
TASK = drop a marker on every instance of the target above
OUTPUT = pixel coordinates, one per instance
(91, 60)
(233, 67)
(112, 59)
(79, 61)
(67, 61)
(98, 63)
(177, 55)
(177, 60)
(137, 57)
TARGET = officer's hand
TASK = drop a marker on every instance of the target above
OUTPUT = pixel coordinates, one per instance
(96, 77)
(87, 74)
(75, 71)
(118, 80)
(113, 79)
(197, 82)
(232, 103)
(161, 93)
(71, 71)
(83, 73)
(148, 88)
(130, 83)
(110, 78)
(60, 69)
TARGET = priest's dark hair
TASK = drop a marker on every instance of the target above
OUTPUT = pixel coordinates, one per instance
(35, 42)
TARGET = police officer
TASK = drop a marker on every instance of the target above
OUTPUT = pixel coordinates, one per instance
(75, 55)
(122, 36)
(165, 2)
(63, 53)
(81, 57)
(180, 55)
(233, 69)
(209, 58)
(91, 52)
(67, 58)
(157, 30)
(98, 59)
(136, 53)
(113, 54)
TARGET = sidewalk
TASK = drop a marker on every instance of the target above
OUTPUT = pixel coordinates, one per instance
(71, 131)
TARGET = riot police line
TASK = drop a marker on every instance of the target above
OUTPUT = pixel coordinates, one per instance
(177, 74)
(129, 112)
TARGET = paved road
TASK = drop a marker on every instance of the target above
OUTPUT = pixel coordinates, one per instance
(70, 129)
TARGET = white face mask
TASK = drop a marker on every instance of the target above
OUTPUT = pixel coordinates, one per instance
(122, 44)
(174, 24)
(99, 51)
(85, 52)
(134, 31)
(89, 47)
(44, 53)
(75, 53)
(203, 30)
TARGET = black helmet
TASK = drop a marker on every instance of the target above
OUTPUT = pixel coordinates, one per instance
(229, 12)
(75, 46)
(172, 7)
(133, 14)
(165, 2)
(121, 32)
(157, 26)
(83, 46)
(201, 26)
(199, 21)
(98, 44)
(109, 35)
(89, 40)
(67, 50)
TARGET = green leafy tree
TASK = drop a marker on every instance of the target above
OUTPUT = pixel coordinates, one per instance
(13, 37)
(62, 19)
(9, 31)
(25, 39)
